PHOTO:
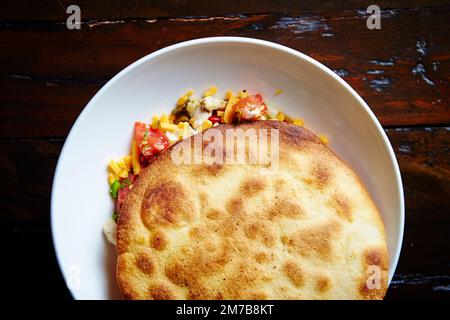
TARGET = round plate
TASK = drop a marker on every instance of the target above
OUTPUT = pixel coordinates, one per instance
(80, 201)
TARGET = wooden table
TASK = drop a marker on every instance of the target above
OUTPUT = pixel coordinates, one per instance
(49, 73)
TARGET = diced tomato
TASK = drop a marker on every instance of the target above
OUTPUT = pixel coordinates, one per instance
(145, 161)
(132, 177)
(126, 183)
(251, 107)
(150, 141)
(214, 118)
(121, 198)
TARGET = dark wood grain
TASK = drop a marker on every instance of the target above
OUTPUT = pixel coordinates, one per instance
(402, 71)
(41, 108)
(424, 265)
(26, 179)
(50, 10)
(425, 166)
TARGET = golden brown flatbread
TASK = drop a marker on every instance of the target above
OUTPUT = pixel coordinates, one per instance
(307, 229)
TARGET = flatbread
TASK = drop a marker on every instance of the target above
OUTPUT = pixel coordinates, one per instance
(306, 229)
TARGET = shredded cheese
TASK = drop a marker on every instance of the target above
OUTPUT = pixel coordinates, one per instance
(242, 94)
(122, 165)
(111, 178)
(113, 167)
(135, 157)
(298, 122)
(123, 174)
(164, 119)
(228, 114)
(206, 124)
(155, 122)
(228, 95)
(280, 116)
(168, 127)
(182, 100)
(324, 138)
(210, 92)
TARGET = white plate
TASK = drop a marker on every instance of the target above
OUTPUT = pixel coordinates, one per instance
(80, 200)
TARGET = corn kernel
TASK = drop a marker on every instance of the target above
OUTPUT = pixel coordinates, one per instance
(189, 93)
(228, 95)
(122, 165)
(278, 92)
(242, 94)
(164, 119)
(182, 100)
(280, 116)
(191, 107)
(127, 160)
(229, 110)
(168, 127)
(324, 138)
(155, 122)
(298, 122)
(135, 157)
(123, 174)
(111, 178)
(183, 125)
(206, 124)
(210, 92)
(113, 167)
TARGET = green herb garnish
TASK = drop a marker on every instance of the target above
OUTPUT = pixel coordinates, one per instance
(114, 190)
(126, 183)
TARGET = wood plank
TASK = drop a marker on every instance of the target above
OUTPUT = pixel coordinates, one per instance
(424, 266)
(41, 108)
(402, 71)
(26, 180)
(47, 10)
(423, 155)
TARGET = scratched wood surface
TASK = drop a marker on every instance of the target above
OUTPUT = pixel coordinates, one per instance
(49, 74)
